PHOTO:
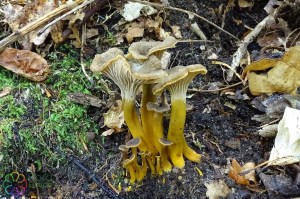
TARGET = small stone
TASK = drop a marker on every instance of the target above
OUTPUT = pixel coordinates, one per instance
(90, 136)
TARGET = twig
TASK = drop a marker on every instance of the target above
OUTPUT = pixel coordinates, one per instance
(241, 51)
(194, 41)
(91, 175)
(187, 12)
(35, 24)
(216, 90)
(83, 43)
(229, 67)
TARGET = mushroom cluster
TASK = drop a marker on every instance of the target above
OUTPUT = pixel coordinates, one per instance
(143, 67)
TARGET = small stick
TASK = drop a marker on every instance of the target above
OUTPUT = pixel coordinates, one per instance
(242, 50)
(83, 43)
(187, 12)
(216, 90)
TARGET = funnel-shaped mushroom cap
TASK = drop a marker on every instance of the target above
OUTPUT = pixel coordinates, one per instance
(113, 65)
(149, 71)
(103, 60)
(128, 161)
(123, 148)
(165, 142)
(134, 142)
(179, 77)
(142, 50)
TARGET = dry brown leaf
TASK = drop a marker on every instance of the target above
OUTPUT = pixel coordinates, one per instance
(235, 169)
(271, 39)
(17, 19)
(176, 32)
(135, 30)
(25, 63)
(114, 118)
(56, 32)
(283, 77)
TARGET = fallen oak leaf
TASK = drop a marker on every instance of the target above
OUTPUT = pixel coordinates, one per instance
(236, 169)
(25, 63)
(282, 77)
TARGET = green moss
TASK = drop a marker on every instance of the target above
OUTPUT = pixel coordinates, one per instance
(33, 124)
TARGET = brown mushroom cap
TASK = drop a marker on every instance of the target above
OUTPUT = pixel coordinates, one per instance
(123, 148)
(101, 61)
(149, 71)
(165, 142)
(134, 142)
(128, 161)
(142, 50)
(178, 76)
(113, 65)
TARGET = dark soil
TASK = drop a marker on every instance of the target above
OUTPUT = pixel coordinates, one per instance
(225, 133)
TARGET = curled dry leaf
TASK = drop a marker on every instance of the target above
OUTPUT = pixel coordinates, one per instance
(25, 63)
(283, 76)
(286, 149)
(114, 118)
(235, 169)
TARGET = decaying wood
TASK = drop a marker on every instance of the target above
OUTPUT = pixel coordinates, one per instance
(86, 99)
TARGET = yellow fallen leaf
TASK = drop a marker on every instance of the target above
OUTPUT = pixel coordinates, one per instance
(283, 76)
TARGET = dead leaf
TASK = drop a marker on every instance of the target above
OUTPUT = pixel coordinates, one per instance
(235, 169)
(25, 63)
(217, 189)
(135, 30)
(271, 39)
(114, 117)
(133, 10)
(283, 77)
(286, 149)
(176, 32)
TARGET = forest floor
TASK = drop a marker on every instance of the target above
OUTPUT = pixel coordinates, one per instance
(36, 127)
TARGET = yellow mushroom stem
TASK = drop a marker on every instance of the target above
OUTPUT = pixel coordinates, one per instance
(151, 162)
(148, 121)
(132, 120)
(129, 166)
(158, 127)
(143, 170)
(179, 148)
(158, 166)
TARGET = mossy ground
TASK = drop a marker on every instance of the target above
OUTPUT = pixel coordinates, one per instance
(37, 118)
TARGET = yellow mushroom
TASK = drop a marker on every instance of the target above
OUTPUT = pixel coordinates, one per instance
(177, 83)
(113, 65)
(128, 164)
(165, 164)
